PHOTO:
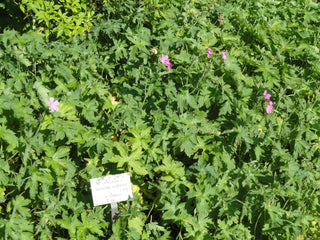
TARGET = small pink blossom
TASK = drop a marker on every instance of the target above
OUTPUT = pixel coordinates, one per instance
(269, 107)
(224, 55)
(209, 52)
(169, 65)
(266, 95)
(165, 60)
(53, 105)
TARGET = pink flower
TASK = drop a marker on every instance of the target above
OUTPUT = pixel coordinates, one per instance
(266, 95)
(165, 60)
(209, 52)
(224, 55)
(269, 107)
(53, 105)
(169, 65)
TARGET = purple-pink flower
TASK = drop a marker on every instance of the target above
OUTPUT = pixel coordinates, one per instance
(224, 55)
(165, 60)
(169, 65)
(266, 95)
(269, 107)
(53, 105)
(209, 52)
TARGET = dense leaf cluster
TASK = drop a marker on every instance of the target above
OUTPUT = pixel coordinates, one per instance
(206, 160)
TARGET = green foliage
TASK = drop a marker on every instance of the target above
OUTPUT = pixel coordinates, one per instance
(11, 16)
(65, 18)
(206, 160)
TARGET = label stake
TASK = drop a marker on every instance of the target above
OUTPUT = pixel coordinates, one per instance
(114, 209)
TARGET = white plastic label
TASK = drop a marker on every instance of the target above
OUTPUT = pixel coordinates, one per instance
(111, 189)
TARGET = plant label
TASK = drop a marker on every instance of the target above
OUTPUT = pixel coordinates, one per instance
(111, 189)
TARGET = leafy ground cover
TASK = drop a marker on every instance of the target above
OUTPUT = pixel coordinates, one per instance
(174, 93)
